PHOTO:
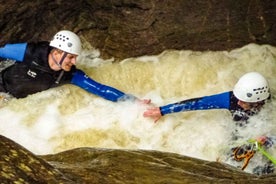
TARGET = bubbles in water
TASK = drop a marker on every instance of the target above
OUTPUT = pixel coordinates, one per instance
(68, 117)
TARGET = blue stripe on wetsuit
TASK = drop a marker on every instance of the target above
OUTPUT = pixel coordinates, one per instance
(218, 101)
(13, 51)
(106, 92)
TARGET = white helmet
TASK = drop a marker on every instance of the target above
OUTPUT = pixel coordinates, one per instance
(251, 87)
(67, 41)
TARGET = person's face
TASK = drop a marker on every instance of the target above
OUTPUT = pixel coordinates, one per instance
(244, 105)
(68, 61)
(248, 106)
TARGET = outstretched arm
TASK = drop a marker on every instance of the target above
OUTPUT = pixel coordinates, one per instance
(219, 101)
(109, 93)
(13, 51)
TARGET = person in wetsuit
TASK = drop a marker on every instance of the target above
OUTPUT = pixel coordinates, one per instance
(248, 96)
(43, 65)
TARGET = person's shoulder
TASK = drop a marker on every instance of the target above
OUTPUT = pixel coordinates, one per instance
(37, 50)
(44, 43)
(39, 43)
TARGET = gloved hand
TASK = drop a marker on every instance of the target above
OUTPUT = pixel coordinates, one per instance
(265, 141)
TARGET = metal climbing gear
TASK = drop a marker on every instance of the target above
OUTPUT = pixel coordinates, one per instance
(244, 153)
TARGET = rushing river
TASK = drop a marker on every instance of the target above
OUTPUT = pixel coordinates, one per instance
(68, 117)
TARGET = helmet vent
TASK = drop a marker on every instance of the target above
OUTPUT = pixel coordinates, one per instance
(249, 95)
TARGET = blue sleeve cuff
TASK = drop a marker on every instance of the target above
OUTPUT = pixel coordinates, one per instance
(219, 101)
(13, 51)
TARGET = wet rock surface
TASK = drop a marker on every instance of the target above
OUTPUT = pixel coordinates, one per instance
(19, 165)
(131, 28)
(94, 165)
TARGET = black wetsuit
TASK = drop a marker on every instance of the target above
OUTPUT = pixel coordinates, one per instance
(33, 74)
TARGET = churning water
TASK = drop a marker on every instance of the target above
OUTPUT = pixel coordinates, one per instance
(68, 117)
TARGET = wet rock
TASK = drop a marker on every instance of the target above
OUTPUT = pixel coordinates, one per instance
(131, 28)
(19, 165)
(91, 165)
(104, 166)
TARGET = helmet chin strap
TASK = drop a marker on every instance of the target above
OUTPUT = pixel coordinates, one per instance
(59, 64)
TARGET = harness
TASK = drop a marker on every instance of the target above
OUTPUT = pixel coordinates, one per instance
(246, 152)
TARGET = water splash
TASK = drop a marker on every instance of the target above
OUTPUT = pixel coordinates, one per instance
(68, 117)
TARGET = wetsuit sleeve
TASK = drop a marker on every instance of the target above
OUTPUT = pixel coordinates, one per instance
(13, 51)
(82, 80)
(219, 101)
